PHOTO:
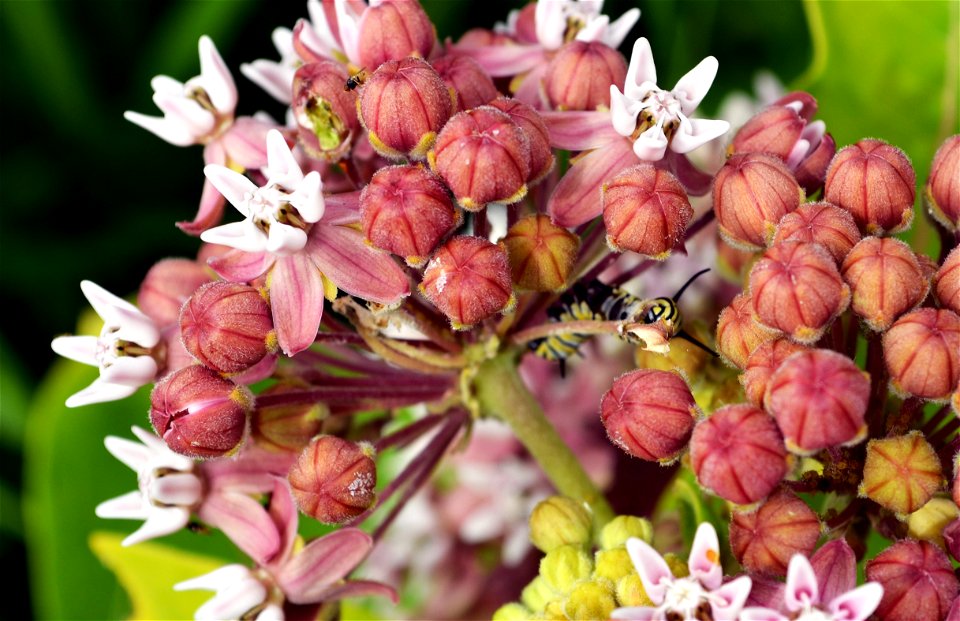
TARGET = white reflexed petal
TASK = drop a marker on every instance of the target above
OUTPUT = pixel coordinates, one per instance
(160, 522)
(132, 455)
(693, 133)
(349, 26)
(171, 132)
(166, 85)
(594, 29)
(761, 614)
(217, 80)
(641, 69)
(81, 349)
(654, 572)
(285, 239)
(100, 392)
(623, 112)
(180, 489)
(858, 604)
(551, 22)
(735, 594)
(130, 506)
(133, 371)
(620, 28)
(243, 236)
(637, 613)
(273, 77)
(320, 26)
(692, 87)
(797, 153)
(651, 145)
(233, 602)
(160, 454)
(282, 39)
(271, 612)
(187, 112)
(704, 560)
(282, 168)
(119, 313)
(308, 198)
(802, 587)
(235, 187)
(218, 579)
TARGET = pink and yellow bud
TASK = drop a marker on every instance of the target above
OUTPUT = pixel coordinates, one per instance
(942, 192)
(738, 335)
(286, 427)
(901, 473)
(820, 223)
(762, 363)
(471, 84)
(946, 282)
(875, 182)
(392, 30)
(649, 414)
(326, 114)
(917, 579)
(541, 253)
(559, 521)
(579, 75)
(198, 413)
(167, 286)
(407, 210)
(885, 280)
(738, 454)
(765, 539)
(538, 136)
(922, 353)
(334, 480)
(645, 210)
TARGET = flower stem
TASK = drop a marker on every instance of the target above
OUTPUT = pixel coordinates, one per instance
(502, 394)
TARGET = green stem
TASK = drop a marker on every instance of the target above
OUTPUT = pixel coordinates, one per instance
(502, 394)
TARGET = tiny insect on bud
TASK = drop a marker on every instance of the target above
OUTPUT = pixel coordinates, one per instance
(917, 579)
(947, 282)
(922, 353)
(326, 114)
(472, 85)
(392, 30)
(579, 75)
(901, 473)
(764, 540)
(942, 192)
(542, 254)
(820, 223)
(738, 335)
(559, 521)
(334, 480)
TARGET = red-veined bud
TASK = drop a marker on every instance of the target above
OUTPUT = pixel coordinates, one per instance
(875, 182)
(820, 223)
(394, 29)
(541, 253)
(773, 130)
(796, 288)
(326, 114)
(917, 579)
(484, 157)
(738, 335)
(167, 286)
(763, 540)
(334, 480)
(819, 399)
(199, 413)
(901, 473)
(922, 353)
(407, 210)
(751, 193)
(951, 537)
(649, 414)
(468, 279)
(738, 454)
(946, 282)
(645, 210)
(942, 192)
(286, 427)
(471, 84)
(885, 280)
(538, 137)
(762, 363)
(403, 105)
(579, 75)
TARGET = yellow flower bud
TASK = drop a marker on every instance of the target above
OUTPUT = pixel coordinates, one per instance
(537, 594)
(512, 612)
(621, 528)
(630, 592)
(612, 564)
(590, 600)
(564, 566)
(928, 521)
(558, 521)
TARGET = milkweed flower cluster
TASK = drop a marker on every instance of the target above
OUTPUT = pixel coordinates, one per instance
(417, 251)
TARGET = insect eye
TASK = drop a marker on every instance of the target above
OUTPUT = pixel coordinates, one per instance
(623, 315)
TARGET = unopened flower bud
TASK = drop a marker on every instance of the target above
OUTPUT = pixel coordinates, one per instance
(885, 280)
(942, 193)
(512, 612)
(484, 157)
(932, 521)
(738, 335)
(538, 136)
(761, 365)
(649, 414)
(811, 172)
(901, 473)
(334, 479)
(472, 85)
(763, 540)
(630, 591)
(684, 357)
(773, 130)
(403, 105)
(875, 182)
(738, 454)
(468, 279)
(326, 114)
(406, 210)
(537, 594)
(564, 566)
(559, 521)
(946, 282)
(820, 223)
(645, 210)
(579, 75)
(590, 600)
(616, 532)
(542, 254)
(286, 427)
(796, 288)
(227, 326)
(751, 193)
(199, 413)
(917, 579)
(167, 286)
(612, 564)
(392, 30)
(922, 353)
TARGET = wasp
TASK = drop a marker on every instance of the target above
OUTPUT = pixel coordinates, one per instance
(354, 81)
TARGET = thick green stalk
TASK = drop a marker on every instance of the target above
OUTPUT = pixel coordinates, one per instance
(502, 394)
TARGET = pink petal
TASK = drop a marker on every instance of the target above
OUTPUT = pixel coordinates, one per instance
(858, 604)
(652, 568)
(576, 198)
(246, 142)
(296, 297)
(704, 561)
(209, 213)
(217, 80)
(531, 88)
(360, 588)
(694, 181)
(802, 585)
(307, 45)
(735, 594)
(244, 521)
(342, 208)
(239, 266)
(273, 77)
(82, 349)
(835, 566)
(258, 372)
(579, 131)
(766, 593)
(306, 578)
(355, 267)
(641, 69)
(637, 613)
(761, 614)
(284, 515)
(693, 87)
(505, 60)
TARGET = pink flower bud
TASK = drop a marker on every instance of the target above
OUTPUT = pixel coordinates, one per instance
(885, 280)
(819, 399)
(875, 182)
(951, 537)
(199, 413)
(167, 286)
(773, 130)
(820, 223)
(796, 288)
(484, 157)
(471, 84)
(946, 282)
(579, 75)
(645, 210)
(334, 480)
(468, 279)
(407, 210)
(403, 105)
(901, 473)
(764, 540)
(751, 193)
(538, 137)
(812, 170)
(286, 427)
(738, 454)
(738, 335)
(326, 114)
(392, 30)
(227, 326)
(922, 353)
(942, 193)
(917, 579)
(649, 414)
(541, 253)
(762, 363)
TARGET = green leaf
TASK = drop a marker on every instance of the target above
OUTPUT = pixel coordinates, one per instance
(13, 398)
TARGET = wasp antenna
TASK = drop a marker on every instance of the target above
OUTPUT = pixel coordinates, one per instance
(676, 296)
(687, 336)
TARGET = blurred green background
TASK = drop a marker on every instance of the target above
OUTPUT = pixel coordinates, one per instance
(87, 195)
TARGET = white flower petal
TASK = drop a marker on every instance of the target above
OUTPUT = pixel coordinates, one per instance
(285, 239)
(654, 572)
(320, 26)
(162, 521)
(271, 612)
(551, 23)
(735, 594)
(217, 80)
(166, 85)
(183, 489)
(802, 587)
(623, 112)
(235, 187)
(641, 69)
(218, 579)
(620, 28)
(186, 112)
(761, 614)
(349, 25)
(594, 29)
(693, 133)
(133, 371)
(282, 168)
(704, 560)
(693, 87)
(651, 145)
(130, 506)
(99, 392)
(636, 613)
(81, 349)
(174, 133)
(858, 604)
(243, 236)
(110, 308)
(308, 198)
(134, 456)
(273, 77)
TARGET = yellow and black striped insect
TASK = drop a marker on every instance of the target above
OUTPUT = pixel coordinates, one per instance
(596, 301)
